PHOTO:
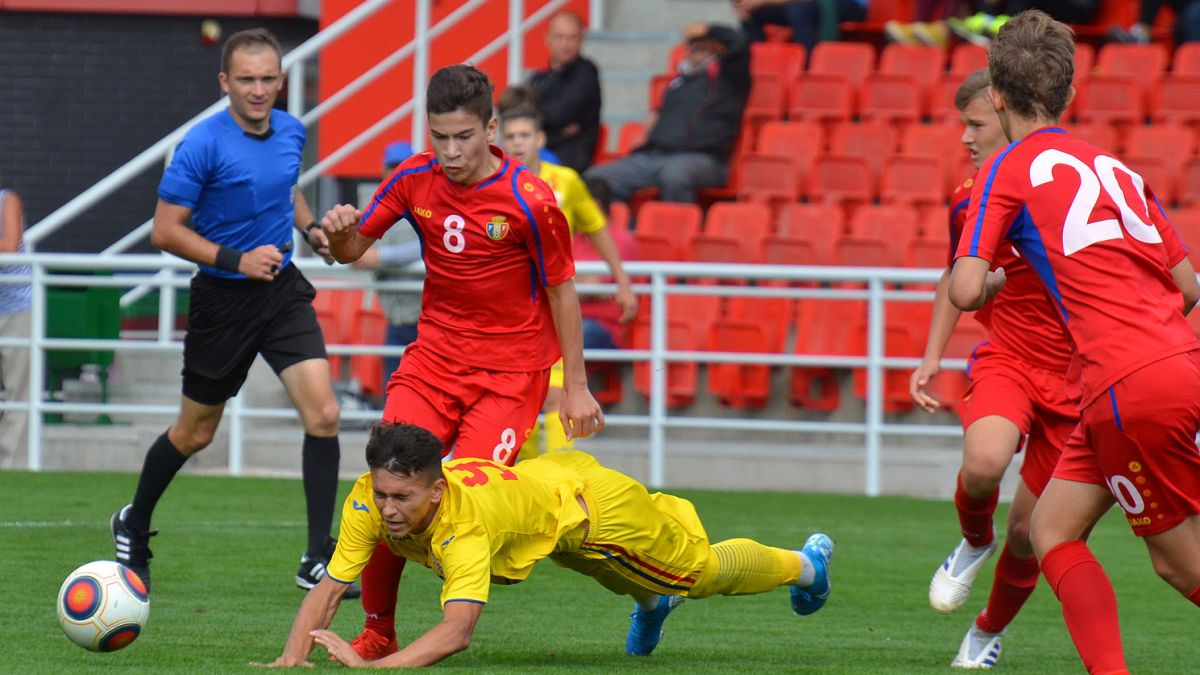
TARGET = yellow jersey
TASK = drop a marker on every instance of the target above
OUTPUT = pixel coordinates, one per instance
(493, 524)
(583, 214)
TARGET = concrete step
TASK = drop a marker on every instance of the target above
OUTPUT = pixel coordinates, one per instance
(664, 15)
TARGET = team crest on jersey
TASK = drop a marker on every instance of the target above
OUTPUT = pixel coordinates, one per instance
(528, 187)
(497, 228)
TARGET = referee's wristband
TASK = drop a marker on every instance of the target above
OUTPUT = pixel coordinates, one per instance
(314, 225)
(228, 259)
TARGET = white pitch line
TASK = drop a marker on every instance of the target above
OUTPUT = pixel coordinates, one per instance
(36, 524)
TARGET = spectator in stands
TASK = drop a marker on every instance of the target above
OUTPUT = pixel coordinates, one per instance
(398, 249)
(1187, 22)
(15, 301)
(570, 93)
(810, 20)
(693, 133)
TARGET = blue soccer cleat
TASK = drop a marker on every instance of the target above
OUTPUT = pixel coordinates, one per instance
(645, 627)
(805, 601)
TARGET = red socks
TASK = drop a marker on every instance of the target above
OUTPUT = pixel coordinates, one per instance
(380, 583)
(975, 515)
(1015, 580)
(1089, 605)
(1194, 596)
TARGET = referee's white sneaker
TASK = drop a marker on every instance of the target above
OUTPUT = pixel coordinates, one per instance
(978, 650)
(951, 584)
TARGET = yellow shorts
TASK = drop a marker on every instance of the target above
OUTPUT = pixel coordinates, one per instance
(556, 375)
(636, 541)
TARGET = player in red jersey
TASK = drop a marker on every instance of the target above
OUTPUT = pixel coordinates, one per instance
(1094, 233)
(498, 306)
(1019, 389)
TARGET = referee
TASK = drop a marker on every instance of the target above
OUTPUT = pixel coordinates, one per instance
(234, 174)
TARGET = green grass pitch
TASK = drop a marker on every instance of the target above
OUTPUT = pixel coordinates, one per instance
(223, 593)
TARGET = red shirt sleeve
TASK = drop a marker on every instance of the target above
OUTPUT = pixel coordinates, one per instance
(549, 238)
(390, 202)
(1177, 249)
(995, 203)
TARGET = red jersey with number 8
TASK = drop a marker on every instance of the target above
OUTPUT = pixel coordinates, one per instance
(490, 249)
(1099, 241)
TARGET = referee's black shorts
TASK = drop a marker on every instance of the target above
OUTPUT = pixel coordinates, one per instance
(230, 321)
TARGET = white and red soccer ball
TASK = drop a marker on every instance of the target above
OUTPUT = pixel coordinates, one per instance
(103, 606)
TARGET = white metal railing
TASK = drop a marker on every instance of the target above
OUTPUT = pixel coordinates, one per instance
(129, 270)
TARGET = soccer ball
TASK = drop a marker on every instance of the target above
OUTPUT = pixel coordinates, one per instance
(102, 606)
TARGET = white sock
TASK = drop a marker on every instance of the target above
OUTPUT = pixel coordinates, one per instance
(648, 604)
(808, 573)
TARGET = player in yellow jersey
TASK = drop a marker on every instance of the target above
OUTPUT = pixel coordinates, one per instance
(475, 522)
(521, 131)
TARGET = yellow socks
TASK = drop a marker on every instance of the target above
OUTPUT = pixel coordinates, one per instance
(745, 567)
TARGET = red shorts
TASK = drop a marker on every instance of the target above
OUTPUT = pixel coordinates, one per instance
(1138, 439)
(484, 414)
(1040, 402)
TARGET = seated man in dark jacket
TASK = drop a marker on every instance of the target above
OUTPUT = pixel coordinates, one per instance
(690, 142)
(570, 94)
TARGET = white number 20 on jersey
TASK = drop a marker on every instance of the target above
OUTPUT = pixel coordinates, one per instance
(1078, 232)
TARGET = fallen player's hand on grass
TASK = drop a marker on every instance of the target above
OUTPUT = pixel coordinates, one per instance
(338, 648)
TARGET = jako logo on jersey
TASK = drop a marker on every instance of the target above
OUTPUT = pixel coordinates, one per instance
(422, 211)
(360, 507)
(497, 229)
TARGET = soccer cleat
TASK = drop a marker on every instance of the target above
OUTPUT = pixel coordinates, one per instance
(312, 568)
(978, 650)
(951, 583)
(373, 646)
(645, 628)
(807, 600)
(133, 546)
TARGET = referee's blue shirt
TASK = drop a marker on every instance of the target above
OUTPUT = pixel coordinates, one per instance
(240, 187)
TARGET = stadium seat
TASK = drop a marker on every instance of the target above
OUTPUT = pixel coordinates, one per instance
(941, 103)
(370, 328)
(770, 179)
(871, 141)
(1187, 59)
(1187, 223)
(924, 64)
(663, 230)
(618, 216)
(821, 97)
(1114, 99)
(824, 328)
(774, 315)
(806, 235)
(966, 58)
(800, 142)
(733, 232)
(1188, 185)
(854, 60)
(632, 135)
(1157, 173)
(949, 385)
(738, 385)
(1173, 144)
(1146, 64)
(890, 98)
(768, 98)
(606, 382)
(926, 253)
(658, 88)
(941, 141)
(879, 236)
(842, 179)
(1099, 134)
(335, 310)
(1176, 99)
(681, 376)
(898, 341)
(912, 180)
(679, 52)
(1085, 62)
(784, 60)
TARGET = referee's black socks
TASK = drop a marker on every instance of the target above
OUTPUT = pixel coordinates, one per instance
(319, 467)
(163, 461)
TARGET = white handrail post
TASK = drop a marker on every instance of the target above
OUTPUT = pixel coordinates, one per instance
(295, 79)
(236, 457)
(596, 15)
(658, 377)
(420, 75)
(37, 366)
(875, 332)
(516, 57)
(166, 305)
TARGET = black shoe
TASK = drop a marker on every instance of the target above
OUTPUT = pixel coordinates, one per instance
(133, 546)
(312, 568)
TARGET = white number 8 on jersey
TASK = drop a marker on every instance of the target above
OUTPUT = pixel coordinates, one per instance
(454, 239)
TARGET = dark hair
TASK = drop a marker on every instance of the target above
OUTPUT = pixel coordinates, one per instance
(460, 87)
(253, 38)
(521, 113)
(1032, 63)
(974, 85)
(404, 450)
(519, 96)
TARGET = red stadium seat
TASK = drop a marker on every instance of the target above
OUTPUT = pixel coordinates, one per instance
(1176, 99)
(928, 253)
(618, 216)
(733, 232)
(824, 328)
(924, 64)
(854, 60)
(1187, 59)
(335, 309)
(632, 135)
(1187, 223)
(941, 141)
(1147, 63)
(658, 88)
(966, 58)
(1085, 62)
(1114, 99)
(806, 236)
(1189, 183)
(754, 325)
(941, 103)
(884, 222)
(768, 98)
(1173, 144)
(663, 230)
(898, 340)
(842, 179)
(784, 60)
(798, 141)
(1156, 173)
(890, 98)
(681, 376)
(873, 141)
(821, 97)
(912, 180)
(1100, 134)
(370, 328)
(679, 52)
(774, 315)
(771, 179)
(949, 385)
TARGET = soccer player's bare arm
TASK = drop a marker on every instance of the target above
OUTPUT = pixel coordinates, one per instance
(171, 233)
(1185, 279)
(340, 225)
(450, 636)
(316, 612)
(972, 285)
(581, 415)
(945, 318)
